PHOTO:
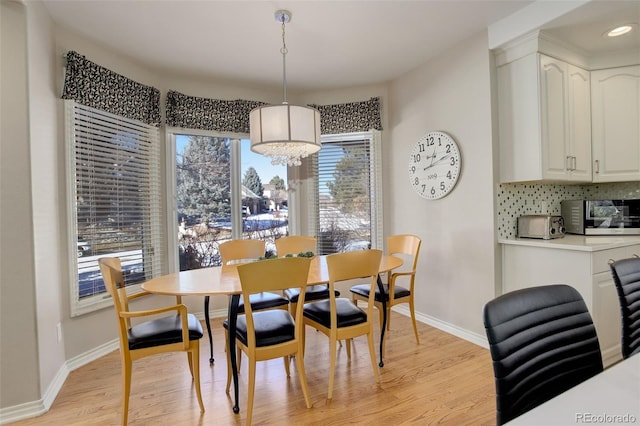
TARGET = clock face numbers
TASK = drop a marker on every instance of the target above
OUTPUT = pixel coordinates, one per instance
(434, 165)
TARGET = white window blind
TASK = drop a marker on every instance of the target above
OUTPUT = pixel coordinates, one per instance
(348, 201)
(114, 169)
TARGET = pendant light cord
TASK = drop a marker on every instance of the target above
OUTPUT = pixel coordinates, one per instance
(284, 51)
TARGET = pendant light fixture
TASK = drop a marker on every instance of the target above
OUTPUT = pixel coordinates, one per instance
(286, 133)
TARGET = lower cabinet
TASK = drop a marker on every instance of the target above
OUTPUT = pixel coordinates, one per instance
(585, 270)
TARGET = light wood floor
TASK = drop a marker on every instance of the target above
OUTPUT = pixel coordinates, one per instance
(444, 380)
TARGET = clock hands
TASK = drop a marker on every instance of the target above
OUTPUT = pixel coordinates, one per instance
(435, 163)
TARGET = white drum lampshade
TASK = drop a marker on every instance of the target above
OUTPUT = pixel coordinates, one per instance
(286, 133)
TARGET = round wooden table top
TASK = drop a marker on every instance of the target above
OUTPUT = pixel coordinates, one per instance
(220, 280)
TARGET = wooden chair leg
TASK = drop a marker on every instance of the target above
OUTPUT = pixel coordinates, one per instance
(286, 365)
(226, 339)
(332, 366)
(194, 364)
(413, 319)
(372, 353)
(190, 361)
(126, 388)
(252, 388)
(388, 317)
(299, 360)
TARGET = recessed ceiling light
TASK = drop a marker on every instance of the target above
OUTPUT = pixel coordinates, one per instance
(618, 31)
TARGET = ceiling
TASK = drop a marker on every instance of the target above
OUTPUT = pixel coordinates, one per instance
(331, 44)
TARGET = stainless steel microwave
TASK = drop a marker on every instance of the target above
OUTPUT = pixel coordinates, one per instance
(601, 217)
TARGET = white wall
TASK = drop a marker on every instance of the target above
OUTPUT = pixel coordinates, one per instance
(19, 349)
(46, 194)
(456, 268)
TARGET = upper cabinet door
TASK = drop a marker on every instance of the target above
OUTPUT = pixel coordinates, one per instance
(544, 121)
(579, 123)
(616, 124)
(554, 117)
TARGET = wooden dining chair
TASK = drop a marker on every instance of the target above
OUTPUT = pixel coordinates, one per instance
(542, 342)
(340, 318)
(294, 245)
(275, 333)
(626, 276)
(178, 332)
(407, 246)
(250, 250)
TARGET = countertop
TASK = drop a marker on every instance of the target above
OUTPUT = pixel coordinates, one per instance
(577, 242)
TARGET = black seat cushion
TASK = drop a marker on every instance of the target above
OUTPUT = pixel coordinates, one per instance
(363, 290)
(264, 300)
(542, 342)
(272, 327)
(626, 275)
(347, 312)
(162, 331)
(314, 292)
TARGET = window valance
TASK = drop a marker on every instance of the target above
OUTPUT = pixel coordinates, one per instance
(95, 86)
(193, 112)
(350, 117)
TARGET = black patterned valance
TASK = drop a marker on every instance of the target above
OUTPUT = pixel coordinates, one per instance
(192, 112)
(350, 117)
(93, 85)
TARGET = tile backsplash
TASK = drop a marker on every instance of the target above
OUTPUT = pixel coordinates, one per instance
(515, 199)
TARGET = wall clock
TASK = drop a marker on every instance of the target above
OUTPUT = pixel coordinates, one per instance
(434, 165)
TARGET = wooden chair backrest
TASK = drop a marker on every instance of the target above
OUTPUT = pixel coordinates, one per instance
(272, 275)
(352, 265)
(111, 270)
(241, 249)
(294, 244)
(405, 244)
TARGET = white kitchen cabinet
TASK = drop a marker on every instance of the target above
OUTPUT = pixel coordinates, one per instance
(616, 124)
(544, 120)
(583, 266)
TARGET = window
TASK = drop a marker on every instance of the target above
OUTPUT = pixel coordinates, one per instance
(224, 191)
(348, 200)
(114, 197)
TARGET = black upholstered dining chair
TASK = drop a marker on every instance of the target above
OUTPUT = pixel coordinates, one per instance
(407, 246)
(542, 342)
(340, 318)
(275, 333)
(175, 331)
(250, 250)
(626, 276)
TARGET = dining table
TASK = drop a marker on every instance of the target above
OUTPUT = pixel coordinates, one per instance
(224, 280)
(610, 397)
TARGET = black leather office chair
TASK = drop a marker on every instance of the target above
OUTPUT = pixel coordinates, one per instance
(542, 342)
(626, 276)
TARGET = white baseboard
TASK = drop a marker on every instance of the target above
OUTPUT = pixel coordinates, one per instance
(475, 338)
(41, 406)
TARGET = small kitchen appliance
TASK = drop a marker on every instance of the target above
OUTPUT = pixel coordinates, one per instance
(602, 217)
(542, 226)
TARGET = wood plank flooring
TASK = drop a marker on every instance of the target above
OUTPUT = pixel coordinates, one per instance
(444, 380)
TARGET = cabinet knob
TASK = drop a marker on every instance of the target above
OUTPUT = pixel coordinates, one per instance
(597, 166)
